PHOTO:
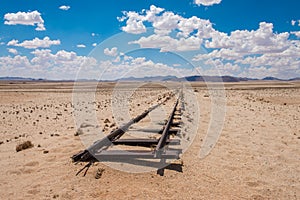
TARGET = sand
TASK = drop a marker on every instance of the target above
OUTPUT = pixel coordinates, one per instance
(257, 155)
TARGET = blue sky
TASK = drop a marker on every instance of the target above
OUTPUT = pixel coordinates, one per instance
(66, 32)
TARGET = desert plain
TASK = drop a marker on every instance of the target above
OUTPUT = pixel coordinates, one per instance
(257, 155)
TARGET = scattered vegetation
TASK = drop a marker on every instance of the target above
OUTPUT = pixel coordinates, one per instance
(79, 132)
(45, 151)
(24, 145)
(99, 173)
(112, 125)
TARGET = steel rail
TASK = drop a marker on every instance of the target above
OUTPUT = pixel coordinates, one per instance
(165, 133)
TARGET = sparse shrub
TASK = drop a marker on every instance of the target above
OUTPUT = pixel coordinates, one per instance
(24, 145)
(78, 132)
(112, 125)
(99, 173)
(45, 151)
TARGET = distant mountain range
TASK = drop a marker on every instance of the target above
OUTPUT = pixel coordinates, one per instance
(23, 79)
(150, 78)
(270, 78)
(8, 78)
(204, 78)
(165, 78)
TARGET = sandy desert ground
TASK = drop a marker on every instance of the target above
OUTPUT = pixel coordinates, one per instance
(256, 157)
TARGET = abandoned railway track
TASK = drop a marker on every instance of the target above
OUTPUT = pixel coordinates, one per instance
(154, 148)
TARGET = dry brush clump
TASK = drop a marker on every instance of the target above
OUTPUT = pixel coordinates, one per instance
(99, 173)
(24, 145)
(79, 132)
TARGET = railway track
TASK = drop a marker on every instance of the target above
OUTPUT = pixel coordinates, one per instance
(153, 148)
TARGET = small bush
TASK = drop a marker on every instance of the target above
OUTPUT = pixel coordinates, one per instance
(78, 132)
(99, 173)
(24, 145)
(106, 121)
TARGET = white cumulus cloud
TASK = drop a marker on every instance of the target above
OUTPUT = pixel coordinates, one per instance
(25, 18)
(134, 23)
(45, 64)
(207, 2)
(293, 22)
(139, 67)
(81, 46)
(297, 33)
(111, 52)
(218, 66)
(64, 7)
(13, 51)
(258, 41)
(13, 43)
(8, 64)
(241, 52)
(167, 43)
(35, 43)
(191, 31)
